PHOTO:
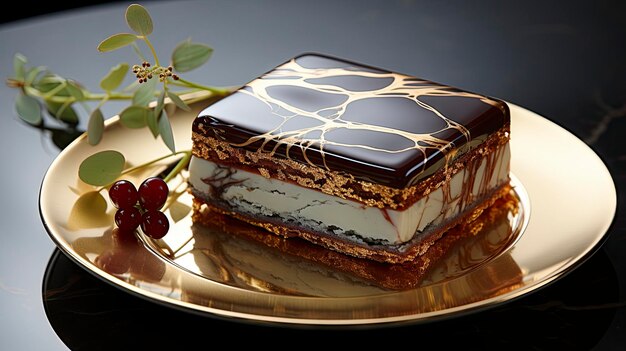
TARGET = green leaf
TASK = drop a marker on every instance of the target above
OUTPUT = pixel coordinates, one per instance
(145, 93)
(63, 137)
(159, 106)
(116, 41)
(69, 115)
(75, 91)
(139, 20)
(179, 210)
(153, 123)
(28, 109)
(63, 112)
(157, 115)
(19, 61)
(49, 82)
(170, 109)
(134, 117)
(101, 168)
(165, 129)
(52, 78)
(89, 211)
(33, 73)
(95, 128)
(115, 77)
(178, 101)
(188, 55)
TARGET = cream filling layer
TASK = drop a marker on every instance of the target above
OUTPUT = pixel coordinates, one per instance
(256, 195)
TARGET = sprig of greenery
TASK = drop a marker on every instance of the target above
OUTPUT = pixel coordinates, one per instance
(43, 93)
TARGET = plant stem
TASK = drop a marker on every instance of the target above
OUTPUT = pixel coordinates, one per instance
(156, 58)
(110, 96)
(179, 167)
(185, 83)
(138, 51)
(102, 102)
(87, 96)
(132, 169)
(52, 92)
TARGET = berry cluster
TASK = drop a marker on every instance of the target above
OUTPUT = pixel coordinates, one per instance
(145, 72)
(141, 207)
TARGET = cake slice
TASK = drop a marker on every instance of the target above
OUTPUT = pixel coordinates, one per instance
(360, 160)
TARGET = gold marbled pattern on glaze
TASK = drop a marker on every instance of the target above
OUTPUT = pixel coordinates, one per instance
(330, 118)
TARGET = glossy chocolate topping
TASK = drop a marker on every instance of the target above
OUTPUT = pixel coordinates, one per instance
(376, 125)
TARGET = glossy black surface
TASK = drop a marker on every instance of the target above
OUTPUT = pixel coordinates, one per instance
(375, 125)
(553, 318)
(566, 62)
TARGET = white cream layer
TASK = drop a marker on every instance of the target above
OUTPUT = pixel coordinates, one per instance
(254, 194)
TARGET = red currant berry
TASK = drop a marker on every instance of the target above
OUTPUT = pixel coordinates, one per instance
(123, 194)
(155, 224)
(128, 219)
(153, 193)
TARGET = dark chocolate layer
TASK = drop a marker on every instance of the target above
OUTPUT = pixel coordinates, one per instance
(375, 125)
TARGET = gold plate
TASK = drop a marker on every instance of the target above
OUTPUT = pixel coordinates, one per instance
(567, 201)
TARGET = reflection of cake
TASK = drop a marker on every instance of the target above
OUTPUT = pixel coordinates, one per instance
(363, 161)
(237, 253)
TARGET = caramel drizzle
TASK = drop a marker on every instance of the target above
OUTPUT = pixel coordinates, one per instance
(401, 86)
(467, 196)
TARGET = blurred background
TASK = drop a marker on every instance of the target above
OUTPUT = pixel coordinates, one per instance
(30, 8)
(563, 60)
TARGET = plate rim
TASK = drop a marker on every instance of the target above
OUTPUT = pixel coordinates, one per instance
(293, 321)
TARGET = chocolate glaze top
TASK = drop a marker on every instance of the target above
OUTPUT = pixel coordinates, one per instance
(375, 125)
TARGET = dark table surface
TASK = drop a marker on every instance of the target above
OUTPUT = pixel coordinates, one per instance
(565, 62)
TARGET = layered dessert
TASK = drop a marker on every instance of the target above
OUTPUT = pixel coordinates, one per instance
(360, 160)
